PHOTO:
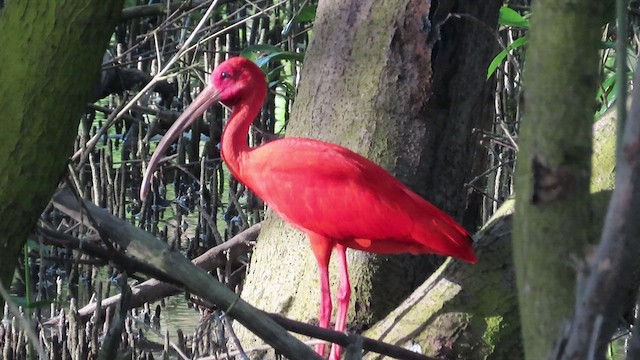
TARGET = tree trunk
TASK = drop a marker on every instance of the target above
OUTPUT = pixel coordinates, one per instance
(471, 312)
(50, 60)
(404, 85)
(463, 311)
(554, 165)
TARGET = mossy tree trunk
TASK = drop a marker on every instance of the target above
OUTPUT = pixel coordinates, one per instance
(476, 307)
(404, 85)
(554, 164)
(463, 311)
(50, 60)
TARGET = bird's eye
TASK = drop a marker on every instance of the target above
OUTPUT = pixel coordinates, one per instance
(225, 75)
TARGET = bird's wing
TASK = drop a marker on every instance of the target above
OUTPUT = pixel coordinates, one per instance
(332, 191)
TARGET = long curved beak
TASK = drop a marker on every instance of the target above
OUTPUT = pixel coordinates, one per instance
(205, 99)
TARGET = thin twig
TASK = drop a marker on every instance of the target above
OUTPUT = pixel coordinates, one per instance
(24, 322)
(160, 75)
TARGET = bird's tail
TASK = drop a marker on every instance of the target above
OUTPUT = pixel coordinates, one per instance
(442, 235)
(446, 237)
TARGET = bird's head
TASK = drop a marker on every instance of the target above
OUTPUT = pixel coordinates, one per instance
(235, 81)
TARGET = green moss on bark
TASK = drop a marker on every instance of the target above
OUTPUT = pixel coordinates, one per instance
(489, 292)
(554, 165)
(50, 61)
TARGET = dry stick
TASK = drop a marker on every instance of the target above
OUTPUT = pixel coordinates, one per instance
(143, 245)
(159, 76)
(232, 354)
(167, 343)
(107, 178)
(128, 264)
(84, 150)
(98, 322)
(152, 290)
(238, 23)
(597, 307)
(158, 9)
(234, 199)
(633, 347)
(488, 171)
(24, 323)
(227, 325)
(345, 340)
(75, 180)
(95, 195)
(108, 111)
(109, 347)
(201, 201)
(122, 189)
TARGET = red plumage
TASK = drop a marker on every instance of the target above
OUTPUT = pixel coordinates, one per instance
(336, 193)
(338, 198)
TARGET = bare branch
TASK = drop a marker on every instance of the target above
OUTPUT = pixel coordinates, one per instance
(152, 289)
(141, 244)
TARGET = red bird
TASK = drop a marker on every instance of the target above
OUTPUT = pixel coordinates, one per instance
(338, 198)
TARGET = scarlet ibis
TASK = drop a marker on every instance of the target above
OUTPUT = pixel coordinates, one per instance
(338, 198)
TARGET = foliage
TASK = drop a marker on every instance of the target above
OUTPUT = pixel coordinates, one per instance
(519, 24)
(509, 18)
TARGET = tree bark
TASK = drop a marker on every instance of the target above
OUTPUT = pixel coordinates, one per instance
(554, 165)
(404, 85)
(463, 311)
(471, 312)
(50, 60)
(611, 268)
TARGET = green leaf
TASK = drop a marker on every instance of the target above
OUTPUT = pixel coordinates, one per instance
(608, 45)
(510, 17)
(40, 304)
(612, 95)
(607, 85)
(306, 13)
(289, 90)
(254, 52)
(23, 302)
(503, 54)
(19, 301)
(274, 74)
(283, 55)
(130, 3)
(263, 54)
(32, 244)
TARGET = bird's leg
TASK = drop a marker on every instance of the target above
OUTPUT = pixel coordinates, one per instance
(343, 297)
(322, 248)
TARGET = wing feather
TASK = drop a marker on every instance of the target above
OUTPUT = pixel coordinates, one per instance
(334, 192)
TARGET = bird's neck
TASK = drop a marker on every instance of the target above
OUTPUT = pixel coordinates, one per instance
(234, 137)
